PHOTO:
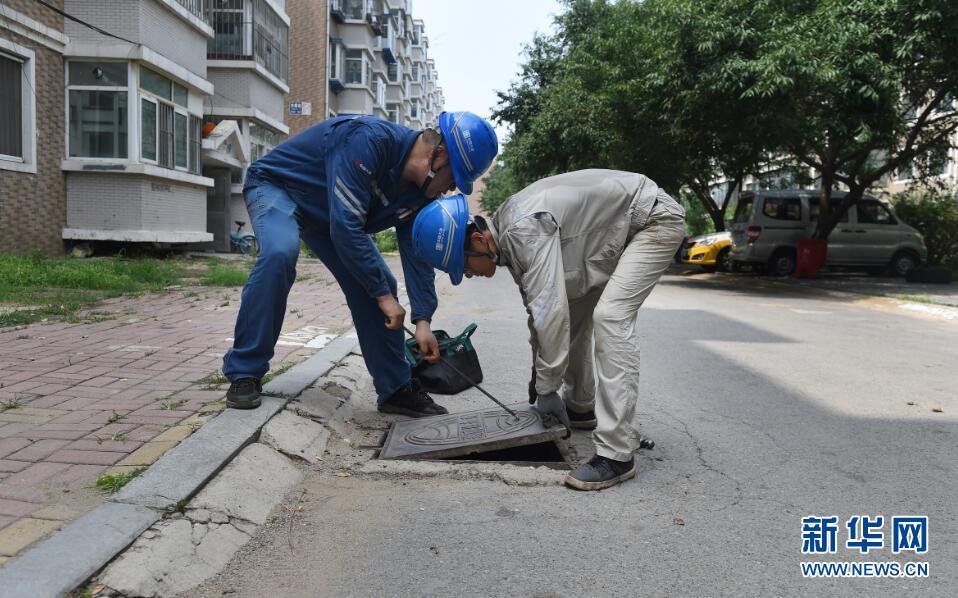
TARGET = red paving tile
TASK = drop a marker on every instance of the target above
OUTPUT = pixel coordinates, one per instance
(161, 348)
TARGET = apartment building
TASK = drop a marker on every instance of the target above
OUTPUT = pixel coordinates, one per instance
(247, 61)
(134, 109)
(378, 63)
(32, 191)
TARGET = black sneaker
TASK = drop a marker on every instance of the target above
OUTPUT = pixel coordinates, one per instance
(244, 394)
(582, 421)
(412, 401)
(600, 472)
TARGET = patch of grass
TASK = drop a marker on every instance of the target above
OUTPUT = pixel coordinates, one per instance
(177, 507)
(114, 437)
(277, 372)
(115, 418)
(172, 405)
(213, 380)
(224, 275)
(57, 287)
(112, 482)
(14, 403)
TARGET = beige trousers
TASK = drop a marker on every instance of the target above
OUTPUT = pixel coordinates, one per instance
(602, 324)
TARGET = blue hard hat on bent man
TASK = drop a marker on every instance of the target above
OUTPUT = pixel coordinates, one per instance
(472, 146)
(439, 235)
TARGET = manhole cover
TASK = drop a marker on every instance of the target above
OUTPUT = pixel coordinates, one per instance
(458, 434)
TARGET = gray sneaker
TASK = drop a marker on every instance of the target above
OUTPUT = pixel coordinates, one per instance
(599, 473)
(244, 394)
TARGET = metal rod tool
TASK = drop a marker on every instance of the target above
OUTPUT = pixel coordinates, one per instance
(467, 379)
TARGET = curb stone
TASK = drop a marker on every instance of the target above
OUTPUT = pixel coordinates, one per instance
(60, 563)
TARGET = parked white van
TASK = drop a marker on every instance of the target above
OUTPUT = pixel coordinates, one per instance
(767, 225)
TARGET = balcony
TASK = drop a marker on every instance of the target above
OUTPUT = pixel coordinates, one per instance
(263, 39)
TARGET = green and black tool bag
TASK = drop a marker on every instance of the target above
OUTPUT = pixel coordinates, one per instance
(458, 351)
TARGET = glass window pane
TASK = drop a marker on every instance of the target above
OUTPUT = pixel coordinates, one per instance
(180, 140)
(355, 9)
(180, 94)
(11, 108)
(98, 124)
(354, 66)
(108, 74)
(148, 129)
(156, 84)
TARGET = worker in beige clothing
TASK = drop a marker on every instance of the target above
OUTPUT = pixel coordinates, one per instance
(586, 248)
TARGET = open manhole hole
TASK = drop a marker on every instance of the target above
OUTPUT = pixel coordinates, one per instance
(487, 435)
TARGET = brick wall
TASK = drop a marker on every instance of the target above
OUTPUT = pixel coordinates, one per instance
(38, 12)
(33, 206)
(307, 68)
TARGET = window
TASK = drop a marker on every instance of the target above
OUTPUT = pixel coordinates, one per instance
(415, 72)
(97, 98)
(379, 90)
(743, 211)
(229, 22)
(814, 208)
(335, 60)
(148, 129)
(156, 84)
(262, 140)
(180, 140)
(356, 67)
(783, 208)
(872, 212)
(392, 112)
(249, 30)
(164, 123)
(270, 40)
(414, 109)
(392, 72)
(11, 107)
(355, 9)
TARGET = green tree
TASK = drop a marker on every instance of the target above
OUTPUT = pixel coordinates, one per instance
(864, 88)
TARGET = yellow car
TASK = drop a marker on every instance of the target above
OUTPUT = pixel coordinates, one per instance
(709, 251)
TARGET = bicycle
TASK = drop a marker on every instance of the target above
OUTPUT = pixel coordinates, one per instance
(245, 243)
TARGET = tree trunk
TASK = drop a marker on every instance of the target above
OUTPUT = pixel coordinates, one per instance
(826, 219)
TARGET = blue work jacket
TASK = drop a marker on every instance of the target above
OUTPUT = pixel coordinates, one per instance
(344, 174)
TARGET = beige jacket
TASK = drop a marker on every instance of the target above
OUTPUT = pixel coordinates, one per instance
(561, 238)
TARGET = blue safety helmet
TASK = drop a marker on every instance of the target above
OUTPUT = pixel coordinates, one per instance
(439, 235)
(472, 145)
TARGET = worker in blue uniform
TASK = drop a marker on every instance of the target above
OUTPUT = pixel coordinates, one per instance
(332, 186)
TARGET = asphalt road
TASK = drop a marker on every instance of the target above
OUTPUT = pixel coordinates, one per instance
(766, 405)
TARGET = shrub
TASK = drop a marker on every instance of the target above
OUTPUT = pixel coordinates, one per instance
(935, 214)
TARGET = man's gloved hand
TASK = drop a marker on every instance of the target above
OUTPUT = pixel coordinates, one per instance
(552, 410)
(533, 395)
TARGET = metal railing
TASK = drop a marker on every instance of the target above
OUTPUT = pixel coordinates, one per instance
(264, 38)
(196, 7)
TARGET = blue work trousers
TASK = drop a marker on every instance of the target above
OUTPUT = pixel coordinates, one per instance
(278, 227)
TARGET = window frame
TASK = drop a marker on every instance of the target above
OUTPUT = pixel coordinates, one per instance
(365, 67)
(156, 129)
(132, 138)
(27, 162)
(178, 109)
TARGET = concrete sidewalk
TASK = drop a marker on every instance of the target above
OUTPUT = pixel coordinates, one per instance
(78, 400)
